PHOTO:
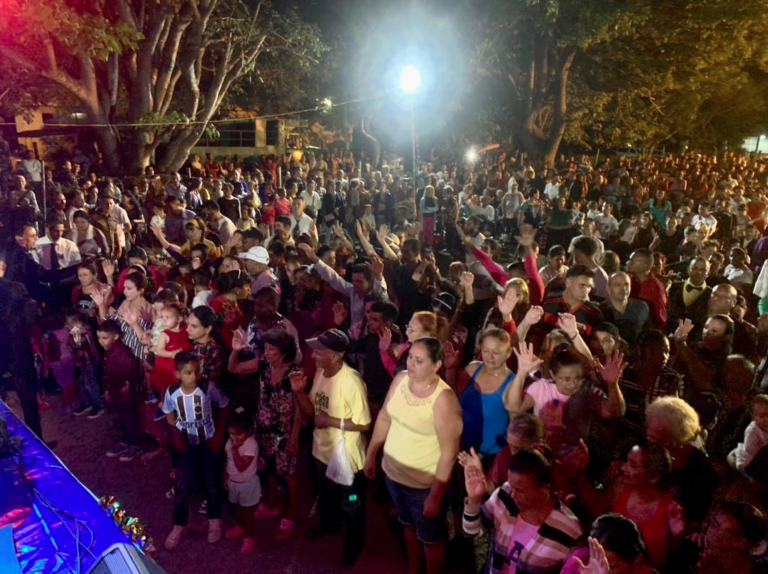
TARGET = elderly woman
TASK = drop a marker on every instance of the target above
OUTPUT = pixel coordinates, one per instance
(419, 427)
(277, 425)
(674, 424)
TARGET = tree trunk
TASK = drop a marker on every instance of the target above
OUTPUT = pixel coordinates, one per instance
(561, 107)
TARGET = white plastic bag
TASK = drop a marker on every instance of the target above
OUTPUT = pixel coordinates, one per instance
(340, 469)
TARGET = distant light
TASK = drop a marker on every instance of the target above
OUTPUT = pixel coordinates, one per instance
(410, 79)
(472, 155)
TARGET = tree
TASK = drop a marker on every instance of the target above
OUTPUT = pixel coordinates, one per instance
(164, 67)
(610, 73)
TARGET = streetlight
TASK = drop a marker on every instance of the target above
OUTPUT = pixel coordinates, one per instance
(410, 82)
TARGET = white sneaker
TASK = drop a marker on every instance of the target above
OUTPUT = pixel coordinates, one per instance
(214, 531)
(174, 537)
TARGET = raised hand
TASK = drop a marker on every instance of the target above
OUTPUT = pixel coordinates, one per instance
(238, 340)
(98, 297)
(339, 313)
(376, 265)
(684, 329)
(474, 478)
(507, 303)
(534, 315)
(467, 280)
(155, 229)
(385, 339)
(414, 230)
(676, 519)
(382, 232)
(298, 381)
(614, 367)
(131, 316)
(527, 235)
(527, 361)
(452, 354)
(598, 563)
(308, 251)
(338, 230)
(108, 266)
(567, 323)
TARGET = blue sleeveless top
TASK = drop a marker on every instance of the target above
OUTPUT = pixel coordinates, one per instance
(485, 416)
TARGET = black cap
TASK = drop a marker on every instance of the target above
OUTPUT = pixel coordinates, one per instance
(331, 340)
(445, 302)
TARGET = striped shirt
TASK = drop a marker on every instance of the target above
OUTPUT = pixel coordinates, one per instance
(194, 412)
(542, 553)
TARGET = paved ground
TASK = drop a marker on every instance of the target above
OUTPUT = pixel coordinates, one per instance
(141, 489)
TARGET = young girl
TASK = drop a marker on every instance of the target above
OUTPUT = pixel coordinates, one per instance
(173, 339)
(241, 478)
(268, 214)
(61, 359)
(549, 398)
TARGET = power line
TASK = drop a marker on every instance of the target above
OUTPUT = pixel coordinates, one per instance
(221, 121)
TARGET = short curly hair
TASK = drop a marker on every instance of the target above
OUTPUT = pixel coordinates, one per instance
(681, 417)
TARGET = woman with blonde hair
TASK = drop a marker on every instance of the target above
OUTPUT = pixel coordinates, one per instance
(674, 424)
(422, 324)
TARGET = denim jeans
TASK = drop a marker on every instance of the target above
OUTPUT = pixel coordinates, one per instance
(90, 387)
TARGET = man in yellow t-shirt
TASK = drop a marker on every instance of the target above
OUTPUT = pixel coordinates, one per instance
(339, 406)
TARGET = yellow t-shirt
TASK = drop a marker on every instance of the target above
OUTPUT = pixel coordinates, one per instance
(412, 451)
(342, 396)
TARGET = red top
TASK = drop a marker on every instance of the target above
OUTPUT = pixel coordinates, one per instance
(654, 529)
(653, 293)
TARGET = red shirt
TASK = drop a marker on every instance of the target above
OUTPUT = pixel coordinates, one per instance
(283, 206)
(653, 293)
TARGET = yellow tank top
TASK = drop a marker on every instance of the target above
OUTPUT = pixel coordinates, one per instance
(411, 451)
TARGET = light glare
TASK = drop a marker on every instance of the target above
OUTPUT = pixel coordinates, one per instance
(410, 79)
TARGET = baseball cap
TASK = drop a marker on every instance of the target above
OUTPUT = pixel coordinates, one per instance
(257, 254)
(331, 340)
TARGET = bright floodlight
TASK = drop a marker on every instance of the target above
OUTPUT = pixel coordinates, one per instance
(472, 155)
(410, 79)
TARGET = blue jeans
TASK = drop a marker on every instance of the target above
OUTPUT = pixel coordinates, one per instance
(91, 389)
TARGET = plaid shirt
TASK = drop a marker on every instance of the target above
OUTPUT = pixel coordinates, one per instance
(545, 553)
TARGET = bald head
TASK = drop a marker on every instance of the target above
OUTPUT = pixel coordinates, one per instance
(619, 287)
(722, 300)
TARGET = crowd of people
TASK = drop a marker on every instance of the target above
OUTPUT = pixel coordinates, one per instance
(533, 369)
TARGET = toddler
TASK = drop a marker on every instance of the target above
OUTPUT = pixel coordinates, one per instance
(755, 437)
(61, 359)
(82, 343)
(241, 478)
(172, 340)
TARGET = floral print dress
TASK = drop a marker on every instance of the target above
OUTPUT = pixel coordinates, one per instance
(274, 421)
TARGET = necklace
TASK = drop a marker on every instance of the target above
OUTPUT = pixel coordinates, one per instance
(425, 388)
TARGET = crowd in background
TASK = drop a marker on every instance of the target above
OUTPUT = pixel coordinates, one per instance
(551, 369)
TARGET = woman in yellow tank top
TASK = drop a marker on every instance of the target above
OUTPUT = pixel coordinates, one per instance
(419, 427)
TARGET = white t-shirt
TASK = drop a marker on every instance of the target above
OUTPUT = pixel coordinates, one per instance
(304, 223)
(34, 168)
(249, 448)
(203, 299)
(754, 440)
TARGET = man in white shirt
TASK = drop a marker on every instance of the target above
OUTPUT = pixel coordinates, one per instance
(311, 197)
(301, 223)
(54, 250)
(34, 167)
(552, 190)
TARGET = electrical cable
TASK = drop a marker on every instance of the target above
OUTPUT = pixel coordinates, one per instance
(215, 122)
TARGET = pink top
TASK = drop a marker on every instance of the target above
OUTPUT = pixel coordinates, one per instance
(548, 403)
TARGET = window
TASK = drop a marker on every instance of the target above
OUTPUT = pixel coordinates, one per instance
(233, 134)
(273, 132)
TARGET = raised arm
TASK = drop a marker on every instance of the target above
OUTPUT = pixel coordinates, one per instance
(516, 400)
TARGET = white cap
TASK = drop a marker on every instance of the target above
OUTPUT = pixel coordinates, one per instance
(257, 254)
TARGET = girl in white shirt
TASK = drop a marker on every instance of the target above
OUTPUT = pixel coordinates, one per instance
(242, 481)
